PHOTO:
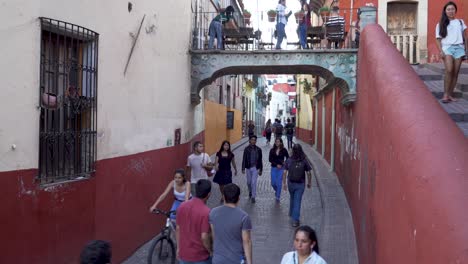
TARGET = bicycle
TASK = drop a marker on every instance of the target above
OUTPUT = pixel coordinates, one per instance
(163, 249)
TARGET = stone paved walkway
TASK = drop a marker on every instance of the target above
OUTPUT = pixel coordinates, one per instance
(324, 208)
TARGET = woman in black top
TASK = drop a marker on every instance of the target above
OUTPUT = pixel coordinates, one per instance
(278, 154)
(224, 159)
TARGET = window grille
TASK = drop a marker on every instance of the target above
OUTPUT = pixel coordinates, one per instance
(68, 100)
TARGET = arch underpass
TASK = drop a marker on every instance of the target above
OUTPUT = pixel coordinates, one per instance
(337, 67)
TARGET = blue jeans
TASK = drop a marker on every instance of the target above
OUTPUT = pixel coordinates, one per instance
(216, 31)
(277, 180)
(280, 34)
(303, 35)
(208, 261)
(290, 140)
(252, 176)
(296, 190)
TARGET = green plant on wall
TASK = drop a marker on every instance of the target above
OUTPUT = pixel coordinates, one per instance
(307, 86)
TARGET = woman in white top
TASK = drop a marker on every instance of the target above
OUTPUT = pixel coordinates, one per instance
(181, 190)
(450, 33)
(306, 245)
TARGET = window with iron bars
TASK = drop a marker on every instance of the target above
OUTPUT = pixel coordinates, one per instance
(68, 100)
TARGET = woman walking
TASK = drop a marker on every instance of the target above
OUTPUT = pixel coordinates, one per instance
(181, 190)
(277, 157)
(306, 248)
(450, 34)
(268, 131)
(296, 168)
(224, 160)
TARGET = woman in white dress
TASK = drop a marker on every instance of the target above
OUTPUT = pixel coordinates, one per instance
(306, 245)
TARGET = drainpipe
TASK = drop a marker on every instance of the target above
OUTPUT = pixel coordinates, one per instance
(332, 158)
(323, 125)
(316, 124)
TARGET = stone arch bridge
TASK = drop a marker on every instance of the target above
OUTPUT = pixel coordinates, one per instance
(337, 67)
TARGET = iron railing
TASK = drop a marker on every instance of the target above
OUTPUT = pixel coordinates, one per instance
(68, 101)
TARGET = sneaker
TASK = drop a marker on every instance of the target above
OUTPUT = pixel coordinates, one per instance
(253, 200)
(295, 224)
(277, 200)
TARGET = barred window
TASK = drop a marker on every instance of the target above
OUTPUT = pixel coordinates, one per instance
(68, 100)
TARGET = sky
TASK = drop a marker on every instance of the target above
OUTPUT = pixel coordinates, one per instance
(259, 9)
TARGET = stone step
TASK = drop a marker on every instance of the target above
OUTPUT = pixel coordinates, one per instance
(432, 69)
(458, 111)
(437, 89)
(464, 127)
(440, 68)
(427, 74)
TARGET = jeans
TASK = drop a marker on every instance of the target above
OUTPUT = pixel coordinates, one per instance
(208, 261)
(216, 30)
(280, 34)
(252, 176)
(296, 190)
(290, 140)
(193, 190)
(277, 180)
(303, 35)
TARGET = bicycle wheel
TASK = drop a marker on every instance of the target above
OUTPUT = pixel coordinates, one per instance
(162, 251)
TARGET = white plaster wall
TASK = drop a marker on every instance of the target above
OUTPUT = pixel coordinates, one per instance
(136, 112)
(423, 11)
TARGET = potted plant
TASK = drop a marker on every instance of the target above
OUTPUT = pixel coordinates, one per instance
(271, 15)
(247, 16)
(299, 16)
(324, 12)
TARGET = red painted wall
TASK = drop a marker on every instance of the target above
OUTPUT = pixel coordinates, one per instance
(328, 125)
(402, 164)
(319, 127)
(51, 225)
(305, 135)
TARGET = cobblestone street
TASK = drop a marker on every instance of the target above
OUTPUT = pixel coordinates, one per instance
(272, 234)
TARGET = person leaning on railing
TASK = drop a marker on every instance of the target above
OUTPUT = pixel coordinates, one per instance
(216, 27)
(335, 27)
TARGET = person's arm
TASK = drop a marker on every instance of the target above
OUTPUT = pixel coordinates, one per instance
(233, 163)
(260, 160)
(212, 235)
(439, 42)
(207, 242)
(188, 170)
(270, 158)
(177, 235)
(216, 163)
(309, 179)
(188, 190)
(247, 245)
(285, 174)
(162, 196)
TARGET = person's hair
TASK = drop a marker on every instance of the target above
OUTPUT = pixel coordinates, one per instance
(252, 136)
(203, 188)
(231, 193)
(281, 143)
(288, 120)
(297, 152)
(96, 252)
(444, 20)
(310, 234)
(269, 122)
(196, 144)
(221, 149)
(182, 173)
(335, 9)
(229, 10)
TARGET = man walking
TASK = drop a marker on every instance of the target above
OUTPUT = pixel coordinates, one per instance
(252, 162)
(193, 230)
(289, 132)
(281, 22)
(196, 163)
(231, 228)
(278, 129)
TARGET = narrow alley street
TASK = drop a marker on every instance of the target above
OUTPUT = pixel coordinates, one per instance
(272, 234)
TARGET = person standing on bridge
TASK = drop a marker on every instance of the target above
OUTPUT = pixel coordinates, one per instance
(306, 248)
(252, 162)
(216, 27)
(304, 24)
(295, 169)
(451, 41)
(281, 21)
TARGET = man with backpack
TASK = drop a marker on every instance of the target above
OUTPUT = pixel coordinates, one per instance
(289, 132)
(295, 170)
(278, 128)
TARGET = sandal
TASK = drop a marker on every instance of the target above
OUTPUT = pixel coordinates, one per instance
(445, 101)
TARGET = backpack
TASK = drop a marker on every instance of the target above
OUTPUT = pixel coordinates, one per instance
(279, 129)
(268, 129)
(296, 171)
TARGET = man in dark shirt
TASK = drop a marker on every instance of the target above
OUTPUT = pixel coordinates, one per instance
(252, 162)
(289, 132)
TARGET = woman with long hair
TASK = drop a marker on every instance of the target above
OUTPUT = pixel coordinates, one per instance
(304, 24)
(224, 160)
(295, 169)
(180, 188)
(268, 131)
(278, 155)
(306, 248)
(450, 33)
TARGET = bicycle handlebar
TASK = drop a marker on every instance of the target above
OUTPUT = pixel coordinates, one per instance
(166, 213)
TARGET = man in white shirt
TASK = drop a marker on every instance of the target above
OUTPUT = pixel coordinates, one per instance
(281, 22)
(197, 162)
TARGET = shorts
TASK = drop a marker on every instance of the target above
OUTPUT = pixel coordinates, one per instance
(456, 51)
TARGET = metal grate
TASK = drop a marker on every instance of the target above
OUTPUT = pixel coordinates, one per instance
(68, 101)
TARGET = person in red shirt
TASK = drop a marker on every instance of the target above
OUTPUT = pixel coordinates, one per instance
(193, 227)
